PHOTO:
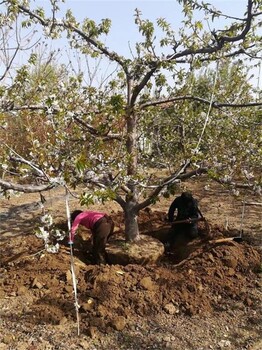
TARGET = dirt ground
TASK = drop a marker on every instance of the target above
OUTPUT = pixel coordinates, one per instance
(206, 296)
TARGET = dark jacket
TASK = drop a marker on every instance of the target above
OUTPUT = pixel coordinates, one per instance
(186, 207)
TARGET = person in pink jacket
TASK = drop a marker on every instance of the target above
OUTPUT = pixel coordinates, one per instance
(101, 226)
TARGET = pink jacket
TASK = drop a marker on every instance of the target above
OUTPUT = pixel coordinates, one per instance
(87, 219)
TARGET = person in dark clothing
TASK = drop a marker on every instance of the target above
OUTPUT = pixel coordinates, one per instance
(101, 226)
(187, 209)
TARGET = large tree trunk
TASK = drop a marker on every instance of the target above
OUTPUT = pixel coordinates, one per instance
(131, 225)
(131, 143)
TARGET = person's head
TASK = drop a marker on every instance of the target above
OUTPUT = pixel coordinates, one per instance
(74, 214)
(187, 196)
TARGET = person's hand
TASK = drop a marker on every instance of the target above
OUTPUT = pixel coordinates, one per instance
(189, 220)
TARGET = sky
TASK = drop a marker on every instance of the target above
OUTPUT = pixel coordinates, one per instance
(121, 12)
(124, 33)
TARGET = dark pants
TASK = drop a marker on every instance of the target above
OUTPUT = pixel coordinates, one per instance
(102, 230)
(185, 231)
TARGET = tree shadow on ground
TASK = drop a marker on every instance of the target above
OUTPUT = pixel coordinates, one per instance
(17, 221)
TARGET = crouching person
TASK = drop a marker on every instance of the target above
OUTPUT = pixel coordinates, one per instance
(101, 226)
(187, 212)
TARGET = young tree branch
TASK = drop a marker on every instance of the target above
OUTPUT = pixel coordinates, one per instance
(113, 56)
(220, 41)
(25, 188)
(215, 104)
(179, 175)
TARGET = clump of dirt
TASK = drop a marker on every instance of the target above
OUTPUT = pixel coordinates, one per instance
(201, 281)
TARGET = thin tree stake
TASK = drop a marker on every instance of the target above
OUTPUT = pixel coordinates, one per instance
(242, 218)
(72, 264)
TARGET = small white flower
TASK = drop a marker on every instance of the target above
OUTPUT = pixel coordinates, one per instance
(47, 219)
(50, 248)
(42, 233)
(59, 21)
(36, 143)
(235, 192)
(59, 235)
(70, 114)
(227, 178)
(248, 175)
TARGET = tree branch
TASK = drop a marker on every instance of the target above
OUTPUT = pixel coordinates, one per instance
(179, 175)
(113, 56)
(10, 63)
(94, 132)
(198, 99)
(240, 51)
(25, 188)
(142, 84)
(233, 184)
(246, 29)
(220, 40)
(253, 203)
(31, 165)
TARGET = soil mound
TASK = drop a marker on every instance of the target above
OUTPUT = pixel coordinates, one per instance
(205, 279)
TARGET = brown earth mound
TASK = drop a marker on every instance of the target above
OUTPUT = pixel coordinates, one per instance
(201, 295)
(210, 275)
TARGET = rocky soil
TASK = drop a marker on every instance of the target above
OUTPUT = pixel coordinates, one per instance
(204, 295)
